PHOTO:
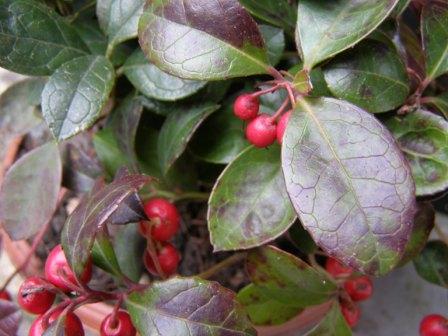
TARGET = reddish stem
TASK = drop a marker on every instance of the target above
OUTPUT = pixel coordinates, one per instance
(280, 110)
(265, 91)
(153, 254)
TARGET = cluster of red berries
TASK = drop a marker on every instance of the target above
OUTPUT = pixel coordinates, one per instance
(358, 289)
(262, 129)
(37, 295)
(163, 224)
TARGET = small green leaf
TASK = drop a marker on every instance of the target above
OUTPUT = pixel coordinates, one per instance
(35, 40)
(440, 102)
(302, 239)
(249, 205)
(128, 246)
(103, 255)
(262, 309)
(274, 39)
(325, 28)
(184, 39)
(432, 263)
(302, 82)
(333, 324)
(187, 306)
(371, 76)
(30, 191)
(423, 137)
(75, 94)
(177, 131)
(435, 37)
(154, 83)
(287, 279)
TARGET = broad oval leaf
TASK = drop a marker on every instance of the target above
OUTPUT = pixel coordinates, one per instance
(154, 83)
(10, 318)
(185, 39)
(349, 183)
(90, 216)
(34, 39)
(177, 131)
(32, 183)
(75, 94)
(325, 28)
(287, 279)
(371, 76)
(432, 263)
(274, 39)
(249, 205)
(187, 306)
(333, 324)
(423, 137)
(435, 37)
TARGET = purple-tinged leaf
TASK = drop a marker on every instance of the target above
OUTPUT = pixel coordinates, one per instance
(188, 306)
(10, 317)
(287, 279)
(202, 39)
(410, 48)
(349, 183)
(30, 191)
(92, 213)
(129, 211)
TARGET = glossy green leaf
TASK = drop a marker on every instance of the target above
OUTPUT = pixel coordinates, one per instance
(371, 76)
(349, 183)
(249, 205)
(302, 239)
(274, 39)
(435, 37)
(440, 102)
(75, 94)
(333, 324)
(185, 39)
(128, 246)
(154, 83)
(177, 131)
(280, 13)
(264, 310)
(187, 306)
(103, 255)
(103, 13)
(34, 39)
(423, 225)
(325, 28)
(432, 263)
(30, 191)
(423, 137)
(288, 279)
(221, 137)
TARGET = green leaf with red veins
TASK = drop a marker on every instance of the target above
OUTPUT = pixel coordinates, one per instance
(287, 279)
(32, 183)
(349, 182)
(249, 205)
(432, 263)
(10, 318)
(202, 39)
(423, 137)
(434, 27)
(92, 213)
(325, 28)
(187, 306)
(423, 225)
(333, 324)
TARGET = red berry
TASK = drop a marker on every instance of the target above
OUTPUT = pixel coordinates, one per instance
(246, 106)
(360, 288)
(261, 131)
(434, 325)
(281, 126)
(165, 219)
(4, 295)
(168, 259)
(33, 297)
(123, 325)
(351, 314)
(57, 268)
(73, 325)
(336, 269)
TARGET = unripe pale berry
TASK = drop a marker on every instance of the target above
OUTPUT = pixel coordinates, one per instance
(73, 325)
(261, 131)
(359, 289)
(168, 258)
(122, 327)
(4, 295)
(336, 269)
(434, 325)
(281, 126)
(165, 219)
(33, 297)
(351, 314)
(57, 268)
(246, 106)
